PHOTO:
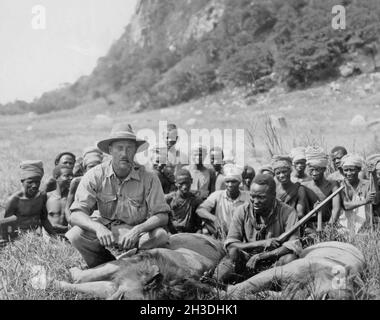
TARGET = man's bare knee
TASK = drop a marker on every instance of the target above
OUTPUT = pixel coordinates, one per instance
(74, 236)
(155, 239)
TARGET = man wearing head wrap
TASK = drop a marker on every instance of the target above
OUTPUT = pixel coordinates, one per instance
(199, 173)
(299, 165)
(336, 154)
(28, 204)
(92, 156)
(293, 194)
(184, 204)
(252, 237)
(357, 195)
(267, 169)
(217, 163)
(320, 188)
(217, 210)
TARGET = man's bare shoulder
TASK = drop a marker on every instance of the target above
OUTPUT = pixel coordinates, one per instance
(15, 197)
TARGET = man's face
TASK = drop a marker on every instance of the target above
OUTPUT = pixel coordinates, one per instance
(168, 172)
(316, 173)
(31, 186)
(300, 165)
(183, 184)
(261, 199)
(247, 178)
(123, 152)
(171, 139)
(336, 158)
(232, 185)
(197, 157)
(67, 161)
(65, 178)
(351, 173)
(282, 175)
(216, 159)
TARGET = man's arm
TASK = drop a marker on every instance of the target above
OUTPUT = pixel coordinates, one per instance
(206, 207)
(159, 214)
(336, 205)
(70, 197)
(351, 205)
(11, 207)
(235, 235)
(85, 200)
(44, 218)
(301, 204)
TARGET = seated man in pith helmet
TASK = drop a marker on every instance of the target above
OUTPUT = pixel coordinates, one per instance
(132, 211)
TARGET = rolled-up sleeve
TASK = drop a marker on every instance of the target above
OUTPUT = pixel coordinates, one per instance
(155, 198)
(235, 231)
(210, 203)
(85, 196)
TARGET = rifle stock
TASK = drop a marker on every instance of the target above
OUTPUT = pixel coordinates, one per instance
(282, 238)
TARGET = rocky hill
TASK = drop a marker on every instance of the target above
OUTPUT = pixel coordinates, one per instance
(176, 50)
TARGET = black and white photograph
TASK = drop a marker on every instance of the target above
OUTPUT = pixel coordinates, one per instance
(204, 151)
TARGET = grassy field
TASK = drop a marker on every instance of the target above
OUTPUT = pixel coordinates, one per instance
(321, 114)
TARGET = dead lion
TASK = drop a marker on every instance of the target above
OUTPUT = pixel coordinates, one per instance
(324, 270)
(162, 273)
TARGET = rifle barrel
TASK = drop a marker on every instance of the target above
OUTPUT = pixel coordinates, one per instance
(282, 238)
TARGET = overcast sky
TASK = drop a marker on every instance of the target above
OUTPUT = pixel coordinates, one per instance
(77, 33)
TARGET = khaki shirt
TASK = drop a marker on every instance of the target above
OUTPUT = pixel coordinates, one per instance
(223, 207)
(246, 228)
(133, 200)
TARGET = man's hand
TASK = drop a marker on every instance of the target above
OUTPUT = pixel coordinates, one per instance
(253, 261)
(271, 244)
(129, 239)
(104, 235)
(371, 197)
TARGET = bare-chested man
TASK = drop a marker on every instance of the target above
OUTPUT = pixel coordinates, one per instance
(293, 194)
(66, 159)
(320, 188)
(57, 199)
(28, 204)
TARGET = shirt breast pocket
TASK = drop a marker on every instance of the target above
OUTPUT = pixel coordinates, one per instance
(136, 211)
(107, 204)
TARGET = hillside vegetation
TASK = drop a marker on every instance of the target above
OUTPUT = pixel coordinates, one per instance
(255, 44)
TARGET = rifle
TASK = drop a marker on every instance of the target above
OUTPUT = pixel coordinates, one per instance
(284, 237)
